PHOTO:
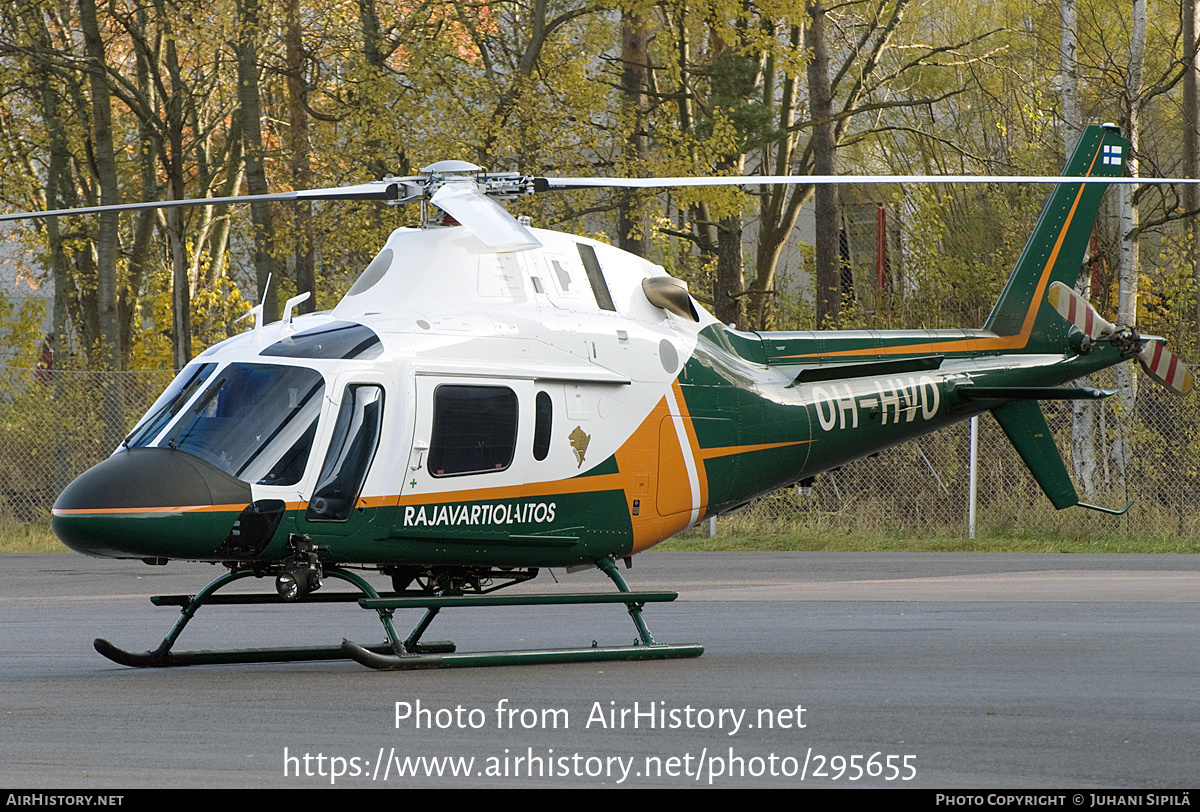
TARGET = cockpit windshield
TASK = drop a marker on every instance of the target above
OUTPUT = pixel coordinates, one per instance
(169, 403)
(255, 421)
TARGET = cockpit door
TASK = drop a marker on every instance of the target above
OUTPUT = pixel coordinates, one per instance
(338, 504)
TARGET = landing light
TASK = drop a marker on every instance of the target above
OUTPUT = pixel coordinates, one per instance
(297, 581)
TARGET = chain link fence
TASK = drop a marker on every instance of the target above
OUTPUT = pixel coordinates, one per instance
(54, 425)
(922, 488)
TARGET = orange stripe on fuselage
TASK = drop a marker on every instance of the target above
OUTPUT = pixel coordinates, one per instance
(730, 450)
(237, 508)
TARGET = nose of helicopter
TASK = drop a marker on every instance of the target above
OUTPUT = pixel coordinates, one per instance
(150, 503)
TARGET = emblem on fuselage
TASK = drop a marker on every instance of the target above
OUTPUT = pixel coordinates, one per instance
(579, 443)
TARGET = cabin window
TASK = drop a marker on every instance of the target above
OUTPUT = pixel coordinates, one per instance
(543, 415)
(355, 438)
(474, 429)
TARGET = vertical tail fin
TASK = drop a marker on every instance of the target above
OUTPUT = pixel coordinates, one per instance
(1025, 426)
(1056, 247)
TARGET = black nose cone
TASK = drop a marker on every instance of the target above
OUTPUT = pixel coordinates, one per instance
(150, 503)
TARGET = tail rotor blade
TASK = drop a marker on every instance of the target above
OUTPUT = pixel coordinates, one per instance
(1075, 309)
(1165, 367)
(1160, 363)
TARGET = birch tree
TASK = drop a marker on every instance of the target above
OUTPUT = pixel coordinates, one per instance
(1128, 267)
(1190, 107)
(1084, 413)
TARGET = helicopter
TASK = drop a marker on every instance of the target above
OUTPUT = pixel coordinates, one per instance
(491, 399)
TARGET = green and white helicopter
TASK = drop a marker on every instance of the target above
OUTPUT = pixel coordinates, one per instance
(489, 399)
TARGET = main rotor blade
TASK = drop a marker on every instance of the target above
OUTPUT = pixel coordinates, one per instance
(483, 217)
(376, 190)
(772, 180)
(1075, 309)
(1165, 367)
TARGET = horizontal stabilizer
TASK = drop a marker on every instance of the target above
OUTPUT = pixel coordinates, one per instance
(1025, 426)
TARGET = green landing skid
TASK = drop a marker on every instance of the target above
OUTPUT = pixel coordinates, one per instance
(386, 661)
(411, 653)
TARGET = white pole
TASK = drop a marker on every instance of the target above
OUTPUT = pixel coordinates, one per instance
(974, 478)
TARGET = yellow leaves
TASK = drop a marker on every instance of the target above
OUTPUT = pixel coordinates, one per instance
(21, 328)
(151, 345)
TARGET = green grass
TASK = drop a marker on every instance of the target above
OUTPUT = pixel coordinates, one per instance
(37, 537)
(1014, 525)
(1037, 531)
(1023, 531)
(863, 541)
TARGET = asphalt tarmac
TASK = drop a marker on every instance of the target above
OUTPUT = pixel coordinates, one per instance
(943, 671)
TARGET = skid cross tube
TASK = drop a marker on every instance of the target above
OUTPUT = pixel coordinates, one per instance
(645, 648)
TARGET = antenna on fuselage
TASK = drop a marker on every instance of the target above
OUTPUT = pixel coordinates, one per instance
(257, 310)
(290, 304)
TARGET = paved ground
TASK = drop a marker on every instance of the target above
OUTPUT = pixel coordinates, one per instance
(952, 671)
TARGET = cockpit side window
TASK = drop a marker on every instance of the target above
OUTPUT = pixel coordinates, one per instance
(355, 439)
(542, 421)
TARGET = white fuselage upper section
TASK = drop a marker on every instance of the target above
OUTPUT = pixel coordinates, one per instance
(447, 309)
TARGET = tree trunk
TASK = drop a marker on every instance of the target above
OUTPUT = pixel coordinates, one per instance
(306, 279)
(731, 276)
(250, 113)
(779, 206)
(107, 242)
(111, 353)
(1084, 413)
(181, 289)
(828, 257)
(1069, 76)
(633, 227)
(1191, 138)
(1127, 233)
